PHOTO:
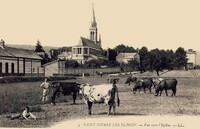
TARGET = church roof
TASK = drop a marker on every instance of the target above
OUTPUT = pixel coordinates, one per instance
(88, 43)
(18, 52)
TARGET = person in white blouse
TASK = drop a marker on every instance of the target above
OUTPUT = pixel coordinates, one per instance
(45, 85)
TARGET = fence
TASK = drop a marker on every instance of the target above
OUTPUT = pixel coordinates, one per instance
(90, 71)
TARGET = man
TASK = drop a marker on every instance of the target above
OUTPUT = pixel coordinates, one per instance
(45, 85)
(101, 73)
(111, 102)
(26, 114)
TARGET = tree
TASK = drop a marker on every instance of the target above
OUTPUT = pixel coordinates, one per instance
(111, 54)
(180, 58)
(170, 59)
(123, 67)
(112, 63)
(124, 49)
(45, 59)
(91, 64)
(38, 47)
(156, 62)
(144, 59)
(71, 64)
(133, 65)
(65, 49)
(54, 54)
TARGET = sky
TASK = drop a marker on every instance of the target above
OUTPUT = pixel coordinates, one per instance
(163, 24)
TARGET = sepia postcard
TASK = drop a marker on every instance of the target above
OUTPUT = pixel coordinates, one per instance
(105, 64)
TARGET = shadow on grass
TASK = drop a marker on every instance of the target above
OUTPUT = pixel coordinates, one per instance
(182, 96)
(36, 109)
(121, 114)
(76, 104)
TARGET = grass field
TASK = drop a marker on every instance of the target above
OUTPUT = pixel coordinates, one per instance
(15, 96)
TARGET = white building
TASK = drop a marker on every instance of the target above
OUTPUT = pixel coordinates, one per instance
(193, 58)
(125, 57)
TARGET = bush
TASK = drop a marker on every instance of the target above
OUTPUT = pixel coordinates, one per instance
(17, 79)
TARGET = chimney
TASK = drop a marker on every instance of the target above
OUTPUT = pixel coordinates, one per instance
(2, 43)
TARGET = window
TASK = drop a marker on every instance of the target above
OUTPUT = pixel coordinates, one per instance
(85, 50)
(74, 50)
(12, 68)
(6, 67)
(79, 50)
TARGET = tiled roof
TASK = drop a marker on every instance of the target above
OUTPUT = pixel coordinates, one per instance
(128, 55)
(98, 54)
(87, 42)
(18, 52)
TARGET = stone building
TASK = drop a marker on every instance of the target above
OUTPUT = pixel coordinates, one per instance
(56, 67)
(19, 62)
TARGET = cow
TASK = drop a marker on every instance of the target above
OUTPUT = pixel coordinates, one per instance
(166, 84)
(143, 84)
(103, 93)
(129, 80)
(65, 88)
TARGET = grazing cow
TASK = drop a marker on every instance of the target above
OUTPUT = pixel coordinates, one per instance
(66, 88)
(104, 93)
(143, 83)
(130, 79)
(166, 84)
(110, 80)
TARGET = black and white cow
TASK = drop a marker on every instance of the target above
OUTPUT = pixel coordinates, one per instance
(98, 94)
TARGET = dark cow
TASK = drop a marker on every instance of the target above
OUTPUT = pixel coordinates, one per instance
(166, 84)
(130, 79)
(143, 83)
(65, 88)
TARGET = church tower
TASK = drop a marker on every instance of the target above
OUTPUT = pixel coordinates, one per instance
(93, 28)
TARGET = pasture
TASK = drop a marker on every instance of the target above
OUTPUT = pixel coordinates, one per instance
(15, 96)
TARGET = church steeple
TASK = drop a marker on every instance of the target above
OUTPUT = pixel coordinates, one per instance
(94, 23)
(93, 28)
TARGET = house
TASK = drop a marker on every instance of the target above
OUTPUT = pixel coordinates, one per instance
(193, 59)
(19, 62)
(89, 49)
(198, 59)
(54, 67)
(125, 57)
(191, 56)
(65, 56)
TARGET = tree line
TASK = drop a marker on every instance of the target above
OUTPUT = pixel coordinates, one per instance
(154, 59)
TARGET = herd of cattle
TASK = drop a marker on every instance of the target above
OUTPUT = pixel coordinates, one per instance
(101, 93)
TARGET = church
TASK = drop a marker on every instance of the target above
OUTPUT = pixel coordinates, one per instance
(89, 49)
